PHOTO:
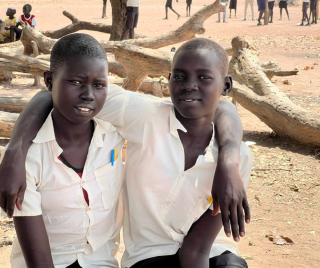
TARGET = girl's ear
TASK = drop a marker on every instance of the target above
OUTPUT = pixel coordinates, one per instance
(48, 79)
(228, 83)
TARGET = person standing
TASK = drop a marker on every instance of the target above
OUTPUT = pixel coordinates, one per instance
(261, 9)
(169, 5)
(313, 11)
(283, 4)
(224, 13)
(189, 2)
(270, 6)
(132, 19)
(305, 6)
(247, 2)
(233, 5)
(104, 9)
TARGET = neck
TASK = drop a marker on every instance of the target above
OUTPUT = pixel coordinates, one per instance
(27, 16)
(11, 17)
(196, 128)
(69, 133)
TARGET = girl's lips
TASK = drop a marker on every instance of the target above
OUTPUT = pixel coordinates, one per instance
(84, 111)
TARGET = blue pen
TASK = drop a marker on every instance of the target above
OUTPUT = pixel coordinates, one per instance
(112, 157)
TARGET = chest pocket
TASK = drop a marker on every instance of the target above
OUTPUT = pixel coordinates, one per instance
(186, 202)
(109, 179)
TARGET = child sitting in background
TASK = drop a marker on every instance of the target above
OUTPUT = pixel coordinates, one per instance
(26, 17)
(11, 20)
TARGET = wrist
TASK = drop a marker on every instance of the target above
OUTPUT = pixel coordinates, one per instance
(17, 150)
(229, 156)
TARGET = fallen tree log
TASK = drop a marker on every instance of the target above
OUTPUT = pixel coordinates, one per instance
(15, 103)
(11, 66)
(140, 62)
(255, 92)
(7, 121)
(77, 25)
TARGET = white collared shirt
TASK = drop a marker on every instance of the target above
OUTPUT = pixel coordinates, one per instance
(76, 231)
(133, 3)
(162, 201)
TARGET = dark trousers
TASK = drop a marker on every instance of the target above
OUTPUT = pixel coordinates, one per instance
(74, 265)
(225, 260)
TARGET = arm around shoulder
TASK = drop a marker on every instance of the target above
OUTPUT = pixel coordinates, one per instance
(12, 168)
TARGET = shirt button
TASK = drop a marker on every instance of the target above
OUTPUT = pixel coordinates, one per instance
(88, 208)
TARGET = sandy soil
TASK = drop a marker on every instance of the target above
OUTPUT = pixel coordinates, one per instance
(284, 189)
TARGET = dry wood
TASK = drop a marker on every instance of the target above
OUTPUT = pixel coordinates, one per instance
(139, 62)
(254, 91)
(11, 66)
(7, 121)
(77, 25)
(35, 54)
(43, 42)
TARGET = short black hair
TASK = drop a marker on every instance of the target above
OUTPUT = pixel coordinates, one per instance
(13, 9)
(73, 45)
(28, 5)
(204, 43)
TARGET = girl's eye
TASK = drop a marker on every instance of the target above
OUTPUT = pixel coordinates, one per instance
(178, 77)
(204, 77)
(99, 86)
(76, 82)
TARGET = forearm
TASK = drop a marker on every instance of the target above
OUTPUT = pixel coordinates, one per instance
(229, 131)
(34, 242)
(29, 123)
(195, 250)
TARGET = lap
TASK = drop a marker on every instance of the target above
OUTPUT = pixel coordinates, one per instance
(225, 260)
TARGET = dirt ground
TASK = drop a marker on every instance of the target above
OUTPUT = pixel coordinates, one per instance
(284, 187)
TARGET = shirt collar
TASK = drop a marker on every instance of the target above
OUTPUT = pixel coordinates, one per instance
(46, 132)
(175, 124)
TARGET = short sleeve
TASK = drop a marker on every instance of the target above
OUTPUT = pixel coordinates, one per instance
(246, 163)
(34, 21)
(32, 198)
(19, 19)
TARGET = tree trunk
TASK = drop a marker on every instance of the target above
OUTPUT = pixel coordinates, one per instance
(7, 121)
(37, 78)
(29, 34)
(266, 14)
(255, 92)
(119, 8)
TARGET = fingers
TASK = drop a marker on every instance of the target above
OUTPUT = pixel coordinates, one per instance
(20, 198)
(234, 222)
(3, 203)
(11, 201)
(216, 206)
(246, 208)
(242, 230)
(225, 219)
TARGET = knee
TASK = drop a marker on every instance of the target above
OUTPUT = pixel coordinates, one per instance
(12, 27)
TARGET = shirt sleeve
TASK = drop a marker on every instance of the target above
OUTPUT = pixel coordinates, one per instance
(32, 198)
(127, 111)
(34, 21)
(19, 19)
(246, 163)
